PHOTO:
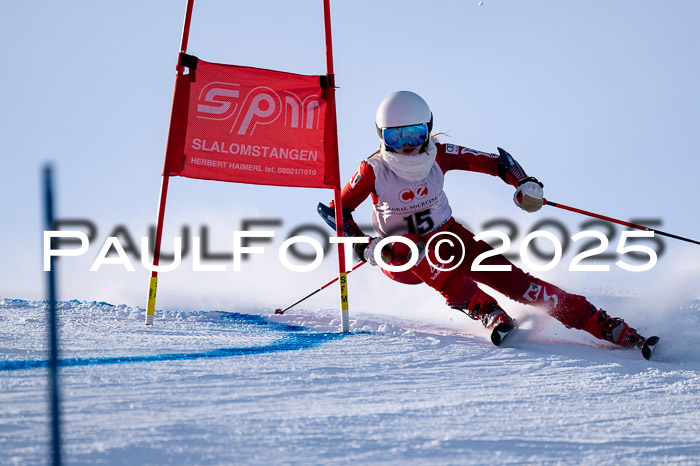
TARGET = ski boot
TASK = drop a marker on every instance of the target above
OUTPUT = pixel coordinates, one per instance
(493, 318)
(612, 329)
(616, 330)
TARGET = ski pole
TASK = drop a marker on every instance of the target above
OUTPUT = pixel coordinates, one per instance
(282, 311)
(620, 222)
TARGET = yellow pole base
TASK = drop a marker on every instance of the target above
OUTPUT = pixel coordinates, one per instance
(151, 307)
(344, 312)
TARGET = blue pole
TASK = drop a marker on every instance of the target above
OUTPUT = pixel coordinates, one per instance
(53, 327)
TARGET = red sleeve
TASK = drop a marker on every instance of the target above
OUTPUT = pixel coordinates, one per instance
(360, 186)
(356, 191)
(453, 157)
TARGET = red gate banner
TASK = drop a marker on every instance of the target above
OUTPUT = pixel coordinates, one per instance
(251, 125)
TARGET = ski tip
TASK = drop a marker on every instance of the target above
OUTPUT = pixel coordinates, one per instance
(279, 311)
(649, 347)
(501, 332)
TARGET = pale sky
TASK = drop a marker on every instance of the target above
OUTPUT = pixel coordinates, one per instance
(597, 99)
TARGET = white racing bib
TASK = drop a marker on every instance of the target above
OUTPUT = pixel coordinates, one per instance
(404, 206)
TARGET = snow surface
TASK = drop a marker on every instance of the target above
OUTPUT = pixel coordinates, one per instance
(224, 387)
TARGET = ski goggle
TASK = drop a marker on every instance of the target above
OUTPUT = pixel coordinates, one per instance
(414, 135)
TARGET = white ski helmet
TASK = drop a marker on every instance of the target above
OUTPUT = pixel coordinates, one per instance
(403, 108)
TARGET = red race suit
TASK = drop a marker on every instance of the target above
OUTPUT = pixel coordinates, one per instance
(419, 210)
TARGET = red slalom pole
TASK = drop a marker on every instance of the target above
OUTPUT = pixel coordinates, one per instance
(153, 283)
(342, 275)
(620, 222)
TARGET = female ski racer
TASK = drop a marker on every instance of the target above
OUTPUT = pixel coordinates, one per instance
(405, 179)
